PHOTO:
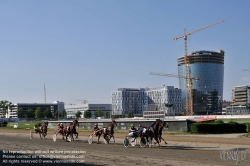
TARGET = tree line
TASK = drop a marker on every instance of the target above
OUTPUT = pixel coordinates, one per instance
(39, 114)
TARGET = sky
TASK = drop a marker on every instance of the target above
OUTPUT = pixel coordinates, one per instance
(84, 50)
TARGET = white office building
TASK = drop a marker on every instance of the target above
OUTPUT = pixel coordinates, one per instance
(72, 109)
(126, 100)
(137, 100)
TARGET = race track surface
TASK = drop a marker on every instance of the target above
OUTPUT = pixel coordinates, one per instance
(184, 150)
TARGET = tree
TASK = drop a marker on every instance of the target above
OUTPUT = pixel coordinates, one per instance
(78, 114)
(10, 106)
(20, 113)
(47, 113)
(30, 113)
(4, 107)
(64, 113)
(38, 113)
(107, 115)
(130, 114)
(98, 113)
(56, 114)
(87, 114)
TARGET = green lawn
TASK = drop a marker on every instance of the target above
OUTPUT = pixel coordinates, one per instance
(23, 125)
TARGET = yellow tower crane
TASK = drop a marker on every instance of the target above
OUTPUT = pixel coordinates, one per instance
(189, 85)
(190, 79)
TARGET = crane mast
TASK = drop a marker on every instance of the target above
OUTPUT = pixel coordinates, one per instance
(189, 79)
(189, 83)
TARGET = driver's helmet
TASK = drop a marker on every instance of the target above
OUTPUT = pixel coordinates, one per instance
(61, 124)
(96, 124)
(132, 125)
(140, 125)
(58, 124)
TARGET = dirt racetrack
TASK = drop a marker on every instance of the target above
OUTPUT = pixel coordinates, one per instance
(18, 149)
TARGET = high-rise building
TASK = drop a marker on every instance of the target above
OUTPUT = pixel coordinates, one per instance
(208, 91)
(134, 100)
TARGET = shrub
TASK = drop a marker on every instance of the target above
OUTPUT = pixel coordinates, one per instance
(5, 122)
(219, 121)
(217, 128)
(248, 127)
(232, 122)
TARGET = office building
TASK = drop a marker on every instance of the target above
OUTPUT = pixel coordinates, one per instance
(137, 100)
(56, 105)
(208, 91)
(72, 109)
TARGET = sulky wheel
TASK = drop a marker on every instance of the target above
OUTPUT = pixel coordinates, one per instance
(126, 142)
(54, 137)
(90, 138)
(31, 135)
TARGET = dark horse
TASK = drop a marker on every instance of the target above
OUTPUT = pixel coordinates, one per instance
(98, 133)
(71, 129)
(42, 130)
(109, 130)
(161, 126)
(153, 132)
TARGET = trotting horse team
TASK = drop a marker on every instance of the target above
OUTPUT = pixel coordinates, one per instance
(154, 132)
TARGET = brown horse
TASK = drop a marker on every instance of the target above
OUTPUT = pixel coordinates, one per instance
(42, 130)
(69, 130)
(98, 133)
(109, 131)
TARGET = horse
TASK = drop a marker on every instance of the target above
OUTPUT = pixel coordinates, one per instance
(161, 126)
(109, 130)
(42, 130)
(69, 130)
(98, 133)
(153, 132)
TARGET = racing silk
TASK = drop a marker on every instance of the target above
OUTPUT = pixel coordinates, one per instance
(96, 128)
(140, 129)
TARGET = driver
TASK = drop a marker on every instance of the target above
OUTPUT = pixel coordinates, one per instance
(59, 128)
(140, 129)
(132, 131)
(96, 129)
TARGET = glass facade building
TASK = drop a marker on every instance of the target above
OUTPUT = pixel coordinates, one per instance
(208, 91)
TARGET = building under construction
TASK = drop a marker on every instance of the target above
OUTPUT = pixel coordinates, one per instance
(240, 101)
(207, 93)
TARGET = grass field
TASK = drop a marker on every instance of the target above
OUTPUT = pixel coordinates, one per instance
(237, 120)
(23, 125)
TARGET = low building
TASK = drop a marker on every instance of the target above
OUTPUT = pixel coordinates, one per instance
(72, 109)
(33, 106)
